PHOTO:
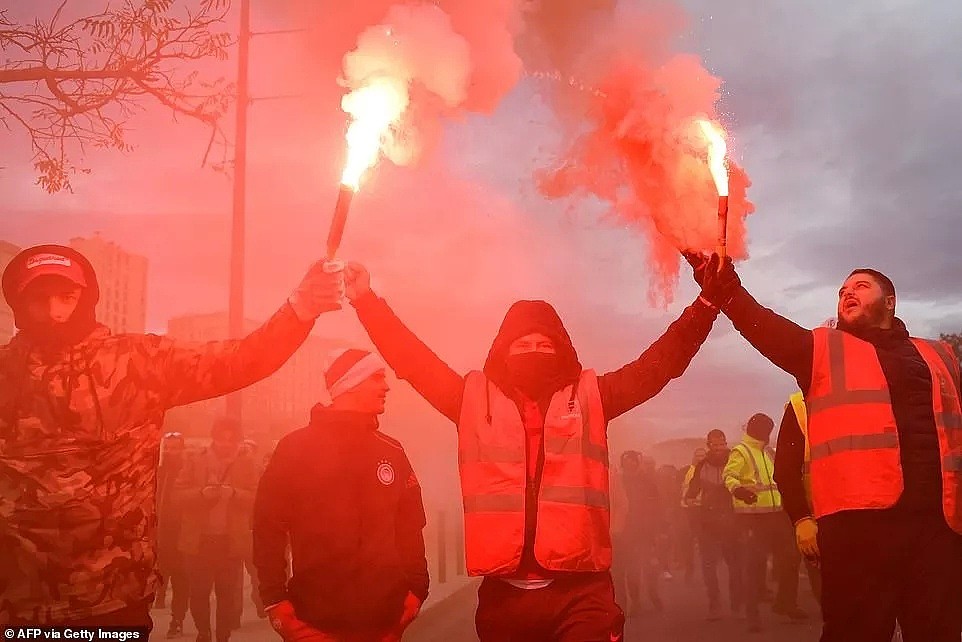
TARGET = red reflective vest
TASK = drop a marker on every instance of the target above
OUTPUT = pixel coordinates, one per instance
(573, 509)
(851, 426)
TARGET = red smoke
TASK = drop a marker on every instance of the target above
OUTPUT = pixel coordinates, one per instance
(635, 141)
(642, 152)
(449, 57)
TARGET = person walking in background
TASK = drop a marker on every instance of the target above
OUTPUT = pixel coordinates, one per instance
(173, 567)
(250, 449)
(764, 528)
(715, 524)
(216, 490)
(636, 551)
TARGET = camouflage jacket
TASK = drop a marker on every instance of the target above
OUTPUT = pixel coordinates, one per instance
(80, 438)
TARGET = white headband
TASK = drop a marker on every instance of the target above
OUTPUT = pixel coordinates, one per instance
(367, 366)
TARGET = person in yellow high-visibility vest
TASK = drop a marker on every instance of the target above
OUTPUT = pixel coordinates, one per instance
(758, 508)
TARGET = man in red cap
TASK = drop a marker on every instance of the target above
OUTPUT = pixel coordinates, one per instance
(81, 413)
(346, 498)
(533, 454)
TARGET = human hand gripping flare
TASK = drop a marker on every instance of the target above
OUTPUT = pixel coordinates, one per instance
(357, 281)
(321, 290)
(717, 278)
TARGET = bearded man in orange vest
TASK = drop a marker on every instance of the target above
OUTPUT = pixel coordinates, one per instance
(885, 434)
(533, 454)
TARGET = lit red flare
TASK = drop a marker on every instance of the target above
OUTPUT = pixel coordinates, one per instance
(375, 110)
(717, 148)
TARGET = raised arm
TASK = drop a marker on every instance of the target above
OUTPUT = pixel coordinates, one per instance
(407, 355)
(189, 372)
(667, 358)
(781, 341)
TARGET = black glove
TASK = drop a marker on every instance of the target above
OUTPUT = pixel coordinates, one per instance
(718, 287)
(698, 263)
(745, 495)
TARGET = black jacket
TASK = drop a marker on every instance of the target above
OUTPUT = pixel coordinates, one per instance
(791, 348)
(708, 482)
(348, 500)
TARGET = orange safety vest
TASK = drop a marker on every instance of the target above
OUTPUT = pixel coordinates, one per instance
(573, 507)
(852, 433)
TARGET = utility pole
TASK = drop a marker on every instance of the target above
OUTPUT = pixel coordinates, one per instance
(235, 307)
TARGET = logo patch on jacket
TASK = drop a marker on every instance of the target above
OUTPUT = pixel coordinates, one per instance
(385, 472)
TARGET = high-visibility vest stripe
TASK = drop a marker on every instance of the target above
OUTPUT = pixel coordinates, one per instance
(565, 446)
(493, 503)
(568, 495)
(855, 442)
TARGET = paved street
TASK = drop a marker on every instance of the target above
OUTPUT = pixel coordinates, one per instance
(451, 619)
(683, 620)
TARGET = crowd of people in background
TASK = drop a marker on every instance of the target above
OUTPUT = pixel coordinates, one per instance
(723, 508)
(669, 524)
(205, 500)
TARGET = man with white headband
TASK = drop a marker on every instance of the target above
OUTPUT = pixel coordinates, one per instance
(345, 496)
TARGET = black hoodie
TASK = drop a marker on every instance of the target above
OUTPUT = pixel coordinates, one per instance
(529, 317)
(791, 348)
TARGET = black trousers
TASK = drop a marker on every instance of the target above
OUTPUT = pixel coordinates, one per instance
(577, 607)
(175, 576)
(879, 566)
(717, 542)
(213, 568)
(765, 534)
(635, 561)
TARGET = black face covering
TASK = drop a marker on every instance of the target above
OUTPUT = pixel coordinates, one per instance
(534, 373)
(55, 336)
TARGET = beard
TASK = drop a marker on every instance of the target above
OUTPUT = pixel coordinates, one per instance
(872, 316)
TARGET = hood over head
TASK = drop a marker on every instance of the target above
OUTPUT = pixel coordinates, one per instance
(529, 317)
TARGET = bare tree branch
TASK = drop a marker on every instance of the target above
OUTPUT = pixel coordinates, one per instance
(75, 85)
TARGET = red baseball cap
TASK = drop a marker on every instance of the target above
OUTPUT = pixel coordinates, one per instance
(47, 264)
(47, 260)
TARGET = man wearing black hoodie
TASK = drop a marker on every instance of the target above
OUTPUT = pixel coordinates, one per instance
(884, 425)
(346, 498)
(533, 455)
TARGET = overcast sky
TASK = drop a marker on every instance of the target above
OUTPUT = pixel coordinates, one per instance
(845, 116)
